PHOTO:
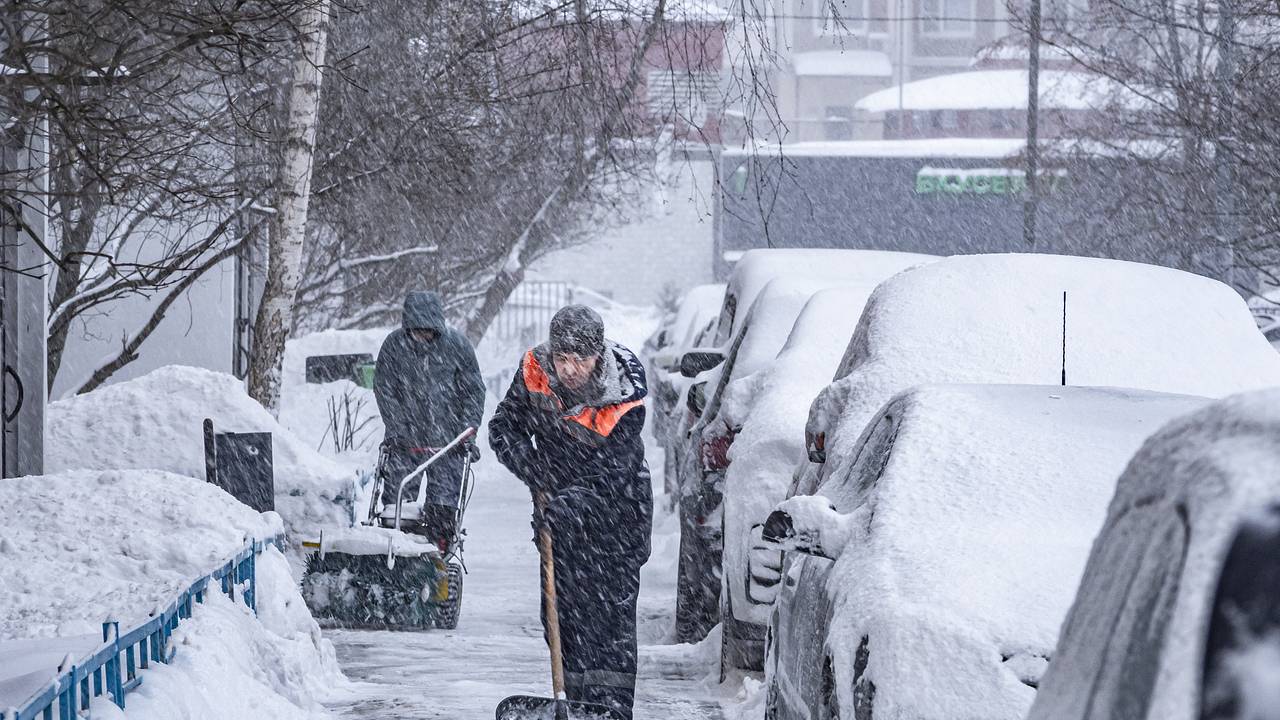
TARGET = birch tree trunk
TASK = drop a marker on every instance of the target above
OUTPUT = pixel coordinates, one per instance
(284, 256)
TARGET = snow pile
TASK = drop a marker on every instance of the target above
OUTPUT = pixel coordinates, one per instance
(1176, 510)
(998, 319)
(155, 422)
(305, 407)
(974, 538)
(771, 440)
(83, 547)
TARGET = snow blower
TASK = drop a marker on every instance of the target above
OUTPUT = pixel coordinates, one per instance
(531, 707)
(382, 573)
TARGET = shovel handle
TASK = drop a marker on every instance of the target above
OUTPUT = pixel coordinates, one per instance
(549, 600)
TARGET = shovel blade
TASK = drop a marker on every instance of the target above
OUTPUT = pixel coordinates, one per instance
(529, 707)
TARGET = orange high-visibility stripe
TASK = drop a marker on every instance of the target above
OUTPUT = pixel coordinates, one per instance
(600, 420)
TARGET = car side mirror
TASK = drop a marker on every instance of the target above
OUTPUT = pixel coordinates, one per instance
(696, 362)
(808, 524)
(696, 398)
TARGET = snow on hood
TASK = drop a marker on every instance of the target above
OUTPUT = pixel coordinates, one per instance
(80, 547)
(155, 422)
(979, 529)
(1218, 466)
(998, 319)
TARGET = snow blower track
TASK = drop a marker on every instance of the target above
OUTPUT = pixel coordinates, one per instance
(497, 649)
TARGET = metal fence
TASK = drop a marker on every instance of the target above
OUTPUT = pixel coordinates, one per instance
(115, 668)
(528, 311)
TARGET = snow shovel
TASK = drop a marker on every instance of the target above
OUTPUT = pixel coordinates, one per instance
(529, 707)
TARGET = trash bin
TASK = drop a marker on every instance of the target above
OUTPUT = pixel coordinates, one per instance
(242, 464)
(331, 368)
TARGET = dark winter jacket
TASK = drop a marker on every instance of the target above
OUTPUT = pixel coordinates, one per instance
(588, 459)
(427, 392)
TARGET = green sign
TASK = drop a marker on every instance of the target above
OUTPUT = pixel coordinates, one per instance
(980, 181)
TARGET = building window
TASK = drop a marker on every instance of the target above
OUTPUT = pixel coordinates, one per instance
(948, 120)
(848, 17)
(686, 95)
(947, 17)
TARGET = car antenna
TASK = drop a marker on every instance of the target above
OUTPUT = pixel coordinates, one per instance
(1064, 338)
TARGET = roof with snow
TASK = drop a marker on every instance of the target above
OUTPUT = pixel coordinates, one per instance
(995, 90)
(842, 63)
(974, 537)
(978, 148)
(1175, 512)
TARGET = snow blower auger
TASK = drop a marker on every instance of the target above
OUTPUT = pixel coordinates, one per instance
(382, 573)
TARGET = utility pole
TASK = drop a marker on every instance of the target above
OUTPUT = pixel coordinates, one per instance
(1226, 224)
(1031, 205)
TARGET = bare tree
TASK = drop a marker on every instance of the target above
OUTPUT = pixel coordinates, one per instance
(275, 313)
(146, 102)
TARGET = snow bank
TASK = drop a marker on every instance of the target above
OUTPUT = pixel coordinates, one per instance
(82, 547)
(305, 407)
(1176, 509)
(998, 319)
(155, 422)
(974, 538)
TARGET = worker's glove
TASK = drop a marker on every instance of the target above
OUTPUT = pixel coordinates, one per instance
(473, 451)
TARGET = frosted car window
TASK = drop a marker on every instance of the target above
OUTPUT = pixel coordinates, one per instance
(725, 326)
(873, 455)
(1128, 668)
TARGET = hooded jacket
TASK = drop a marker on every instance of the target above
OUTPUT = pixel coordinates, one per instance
(587, 459)
(427, 392)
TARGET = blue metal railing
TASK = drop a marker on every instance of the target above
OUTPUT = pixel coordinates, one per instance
(115, 668)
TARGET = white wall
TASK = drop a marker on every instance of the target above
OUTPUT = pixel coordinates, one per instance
(197, 331)
(672, 244)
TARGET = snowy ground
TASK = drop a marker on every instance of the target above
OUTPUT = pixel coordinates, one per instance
(498, 648)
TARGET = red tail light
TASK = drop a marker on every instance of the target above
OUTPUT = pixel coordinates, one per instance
(817, 446)
(715, 447)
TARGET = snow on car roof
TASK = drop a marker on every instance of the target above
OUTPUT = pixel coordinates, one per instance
(826, 268)
(697, 307)
(1214, 467)
(977, 533)
(998, 319)
(997, 90)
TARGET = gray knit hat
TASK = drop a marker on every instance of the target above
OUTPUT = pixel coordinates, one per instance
(577, 329)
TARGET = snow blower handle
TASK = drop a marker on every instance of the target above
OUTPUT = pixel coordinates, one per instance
(463, 436)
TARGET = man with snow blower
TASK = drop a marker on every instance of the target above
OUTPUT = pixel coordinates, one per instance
(429, 389)
(569, 428)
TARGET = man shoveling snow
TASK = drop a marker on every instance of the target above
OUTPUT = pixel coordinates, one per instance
(569, 428)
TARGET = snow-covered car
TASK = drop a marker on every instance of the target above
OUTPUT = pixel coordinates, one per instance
(701, 442)
(929, 577)
(770, 407)
(693, 322)
(1134, 644)
(1000, 319)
